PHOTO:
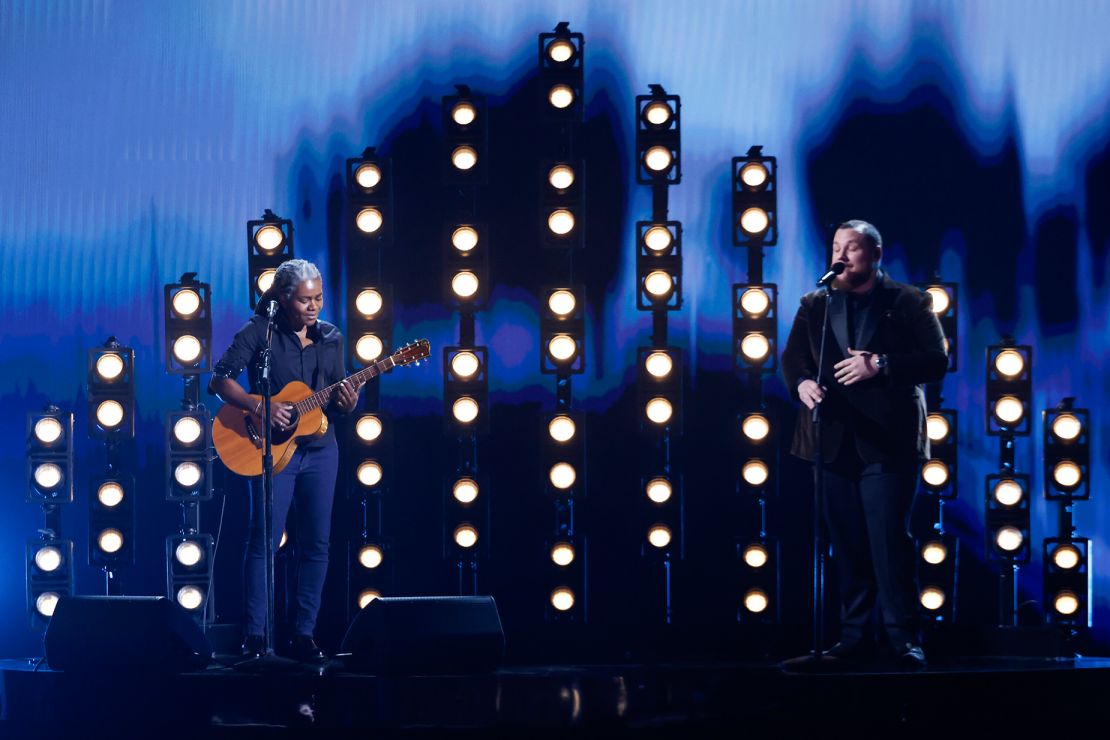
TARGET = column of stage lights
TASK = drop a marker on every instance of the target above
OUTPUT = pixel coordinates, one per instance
(660, 366)
(938, 551)
(466, 491)
(755, 355)
(111, 418)
(1009, 387)
(1067, 471)
(188, 481)
(269, 243)
(49, 558)
(562, 319)
(369, 432)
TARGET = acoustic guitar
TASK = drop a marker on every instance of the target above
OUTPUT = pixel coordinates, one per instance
(238, 434)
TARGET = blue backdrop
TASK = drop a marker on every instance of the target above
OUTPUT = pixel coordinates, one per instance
(137, 138)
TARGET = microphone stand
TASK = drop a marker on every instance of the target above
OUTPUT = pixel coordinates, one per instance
(268, 476)
(819, 549)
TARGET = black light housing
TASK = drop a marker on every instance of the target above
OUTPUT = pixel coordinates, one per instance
(754, 199)
(49, 577)
(1067, 453)
(561, 64)
(111, 391)
(758, 586)
(658, 138)
(269, 243)
(659, 266)
(1007, 531)
(187, 307)
(112, 521)
(188, 455)
(1009, 389)
(50, 456)
(755, 327)
(466, 138)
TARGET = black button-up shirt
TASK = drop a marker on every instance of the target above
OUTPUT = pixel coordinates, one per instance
(318, 365)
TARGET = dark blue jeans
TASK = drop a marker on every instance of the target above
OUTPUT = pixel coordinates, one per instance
(310, 478)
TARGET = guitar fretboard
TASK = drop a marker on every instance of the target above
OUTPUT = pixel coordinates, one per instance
(323, 396)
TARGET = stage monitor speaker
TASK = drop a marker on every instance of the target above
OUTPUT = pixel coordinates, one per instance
(426, 634)
(138, 634)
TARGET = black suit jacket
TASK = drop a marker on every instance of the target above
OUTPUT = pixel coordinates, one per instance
(887, 412)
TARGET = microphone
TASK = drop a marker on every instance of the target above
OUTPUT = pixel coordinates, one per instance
(271, 310)
(834, 270)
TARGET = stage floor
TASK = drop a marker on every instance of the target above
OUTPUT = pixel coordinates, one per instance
(614, 700)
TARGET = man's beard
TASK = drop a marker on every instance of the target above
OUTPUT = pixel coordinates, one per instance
(849, 280)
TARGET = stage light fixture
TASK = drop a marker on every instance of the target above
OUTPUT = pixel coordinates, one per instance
(659, 536)
(189, 571)
(1067, 580)
(366, 596)
(269, 243)
(944, 305)
(757, 579)
(658, 239)
(49, 568)
(369, 473)
(562, 325)
(465, 410)
(1009, 389)
(466, 137)
(368, 428)
(111, 523)
(465, 490)
(658, 138)
(188, 326)
(756, 601)
(561, 65)
(658, 364)
(562, 476)
(1066, 557)
(464, 285)
(755, 327)
(1008, 492)
(562, 599)
(111, 391)
(934, 552)
(755, 473)
(756, 427)
(561, 176)
(754, 199)
(659, 265)
(562, 203)
(110, 494)
(932, 598)
(369, 348)
(935, 474)
(1067, 452)
(370, 556)
(466, 536)
(755, 555)
(463, 113)
(659, 410)
(937, 574)
(464, 238)
(1007, 530)
(562, 554)
(50, 456)
(465, 387)
(659, 490)
(188, 455)
(659, 388)
(561, 428)
(369, 323)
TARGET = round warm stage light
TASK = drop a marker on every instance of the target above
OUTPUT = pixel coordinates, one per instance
(463, 113)
(464, 238)
(1066, 557)
(45, 603)
(1009, 539)
(756, 556)
(659, 410)
(658, 239)
(109, 494)
(368, 175)
(560, 51)
(754, 221)
(368, 348)
(368, 303)
(936, 427)
(659, 284)
(1009, 410)
(48, 476)
(366, 597)
(1009, 363)
(464, 285)
(109, 414)
(935, 473)
(187, 349)
(756, 427)
(464, 158)
(188, 553)
(269, 238)
(266, 280)
(562, 302)
(464, 409)
(754, 175)
(465, 490)
(932, 598)
(284, 539)
(1008, 492)
(560, 96)
(48, 430)
(659, 490)
(186, 302)
(1067, 474)
(941, 301)
(755, 302)
(561, 176)
(187, 474)
(756, 601)
(190, 598)
(1067, 427)
(755, 347)
(755, 472)
(562, 599)
(368, 428)
(48, 559)
(1066, 603)
(658, 159)
(561, 428)
(370, 556)
(187, 430)
(658, 113)
(562, 475)
(465, 364)
(934, 552)
(562, 348)
(109, 366)
(659, 536)
(369, 473)
(658, 364)
(110, 540)
(466, 536)
(562, 554)
(369, 220)
(561, 222)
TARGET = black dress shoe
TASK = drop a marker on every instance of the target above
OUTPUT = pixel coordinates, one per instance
(254, 646)
(849, 652)
(304, 649)
(911, 657)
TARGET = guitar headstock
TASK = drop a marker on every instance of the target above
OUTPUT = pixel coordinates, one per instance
(412, 353)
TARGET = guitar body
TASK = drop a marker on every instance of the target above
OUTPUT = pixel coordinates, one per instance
(238, 434)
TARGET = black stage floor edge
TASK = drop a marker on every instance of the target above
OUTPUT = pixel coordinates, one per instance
(661, 700)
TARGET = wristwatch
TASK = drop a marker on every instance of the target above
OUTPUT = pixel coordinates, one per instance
(881, 363)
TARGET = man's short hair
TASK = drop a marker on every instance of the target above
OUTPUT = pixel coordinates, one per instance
(864, 228)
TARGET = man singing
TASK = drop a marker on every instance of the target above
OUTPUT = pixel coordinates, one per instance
(883, 342)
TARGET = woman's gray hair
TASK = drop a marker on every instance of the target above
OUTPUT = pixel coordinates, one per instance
(292, 273)
(864, 228)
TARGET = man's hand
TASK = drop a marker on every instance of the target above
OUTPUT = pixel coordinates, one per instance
(810, 393)
(281, 413)
(859, 367)
(347, 395)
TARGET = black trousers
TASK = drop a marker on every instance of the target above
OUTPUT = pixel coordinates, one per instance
(867, 509)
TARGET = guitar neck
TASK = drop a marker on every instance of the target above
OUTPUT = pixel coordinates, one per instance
(323, 396)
